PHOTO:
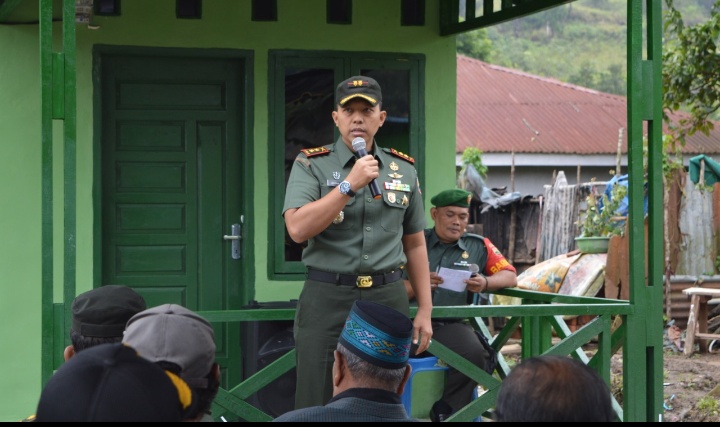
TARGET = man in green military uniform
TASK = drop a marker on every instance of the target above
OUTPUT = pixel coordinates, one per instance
(450, 247)
(359, 242)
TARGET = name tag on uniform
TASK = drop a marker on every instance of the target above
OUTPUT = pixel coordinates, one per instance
(332, 183)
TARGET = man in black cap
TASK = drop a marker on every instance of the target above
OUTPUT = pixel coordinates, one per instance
(359, 240)
(99, 316)
(449, 246)
(370, 369)
(112, 383)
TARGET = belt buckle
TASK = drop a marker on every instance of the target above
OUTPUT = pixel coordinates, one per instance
(364, 281)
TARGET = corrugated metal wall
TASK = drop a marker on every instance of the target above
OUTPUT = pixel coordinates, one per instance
(561, 211)
(697, 243)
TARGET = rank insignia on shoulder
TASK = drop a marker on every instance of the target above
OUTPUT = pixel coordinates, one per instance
(402, 155)
(310, 152)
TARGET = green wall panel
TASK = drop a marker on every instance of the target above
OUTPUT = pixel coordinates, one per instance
(224, 25)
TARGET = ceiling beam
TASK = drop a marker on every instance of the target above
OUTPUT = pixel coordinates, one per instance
(450, 18)
(7, 7)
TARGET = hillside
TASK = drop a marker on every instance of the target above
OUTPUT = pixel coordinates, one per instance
(583, 42)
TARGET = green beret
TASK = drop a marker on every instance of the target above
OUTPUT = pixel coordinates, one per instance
(454, 197)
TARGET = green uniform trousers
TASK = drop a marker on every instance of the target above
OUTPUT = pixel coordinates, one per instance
(320, 318)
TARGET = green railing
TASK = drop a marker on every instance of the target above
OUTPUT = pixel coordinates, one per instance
(539, 318)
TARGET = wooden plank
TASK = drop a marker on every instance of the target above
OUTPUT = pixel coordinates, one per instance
(692, 326)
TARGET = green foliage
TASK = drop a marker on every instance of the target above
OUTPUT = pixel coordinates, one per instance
(569, 41)
(672, 157)
(585, 76)
(475, 44)
(707, 404)
(603, 222)
(473, 156)
(690, 72)
(582, 42)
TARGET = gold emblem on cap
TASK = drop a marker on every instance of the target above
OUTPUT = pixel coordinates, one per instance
(405, 200)
(465, 255)
(469, 198)
(394, 166)
(391, 197)
(339, 218)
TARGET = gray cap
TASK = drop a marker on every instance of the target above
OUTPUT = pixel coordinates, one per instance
(172, 333)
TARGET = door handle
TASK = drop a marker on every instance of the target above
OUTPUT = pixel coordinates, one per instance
(235, 237)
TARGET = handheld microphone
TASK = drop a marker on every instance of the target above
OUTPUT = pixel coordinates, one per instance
(360, 147)
(474, 270)
(479, 299)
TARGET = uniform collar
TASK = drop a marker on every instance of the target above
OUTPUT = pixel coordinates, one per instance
(433, 239)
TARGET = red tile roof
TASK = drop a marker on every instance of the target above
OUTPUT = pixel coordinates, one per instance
(501, 110)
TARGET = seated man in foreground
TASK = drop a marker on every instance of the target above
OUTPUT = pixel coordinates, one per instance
(370, 369)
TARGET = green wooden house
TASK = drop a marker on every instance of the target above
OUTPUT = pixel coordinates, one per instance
(148, 143)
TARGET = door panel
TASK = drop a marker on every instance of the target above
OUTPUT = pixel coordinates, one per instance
(171, 183)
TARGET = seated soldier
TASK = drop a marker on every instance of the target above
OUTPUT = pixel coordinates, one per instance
(450, 247)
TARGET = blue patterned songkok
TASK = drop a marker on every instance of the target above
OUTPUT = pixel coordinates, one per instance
(378, 334)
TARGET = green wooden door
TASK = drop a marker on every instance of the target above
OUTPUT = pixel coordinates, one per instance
(171, 183)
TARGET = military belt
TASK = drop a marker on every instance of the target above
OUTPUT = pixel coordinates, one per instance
(361, 281)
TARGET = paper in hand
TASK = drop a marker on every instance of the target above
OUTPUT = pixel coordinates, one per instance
(453, 279)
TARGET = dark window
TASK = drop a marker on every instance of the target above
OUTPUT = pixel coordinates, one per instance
(264, 10)
(107, 7)
(339, 11)
(188, 9)
(412, 12)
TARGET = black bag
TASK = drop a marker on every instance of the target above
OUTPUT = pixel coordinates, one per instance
(492, 360)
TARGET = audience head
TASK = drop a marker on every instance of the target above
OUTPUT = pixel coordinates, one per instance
(553, 389)
(111, 382)
(375, 343)
(181, 341)
(99, 316)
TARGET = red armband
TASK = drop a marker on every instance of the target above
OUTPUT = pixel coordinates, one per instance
(495, 261)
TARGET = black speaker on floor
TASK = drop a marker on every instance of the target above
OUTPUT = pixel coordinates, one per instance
(263, 342)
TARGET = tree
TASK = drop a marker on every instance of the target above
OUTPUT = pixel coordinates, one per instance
(613, 80)
(585, 76)
(691, 71)
(475, 44)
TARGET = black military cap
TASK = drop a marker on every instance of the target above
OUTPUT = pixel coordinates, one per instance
(112, 383)
(358, 87)
(104, 311)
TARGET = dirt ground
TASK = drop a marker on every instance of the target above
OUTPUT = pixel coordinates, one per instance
(690, 392)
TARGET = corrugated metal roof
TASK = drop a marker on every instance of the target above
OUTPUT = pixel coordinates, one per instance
(501, 110)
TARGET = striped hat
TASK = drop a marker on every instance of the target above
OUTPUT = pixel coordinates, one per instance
(378, 334)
